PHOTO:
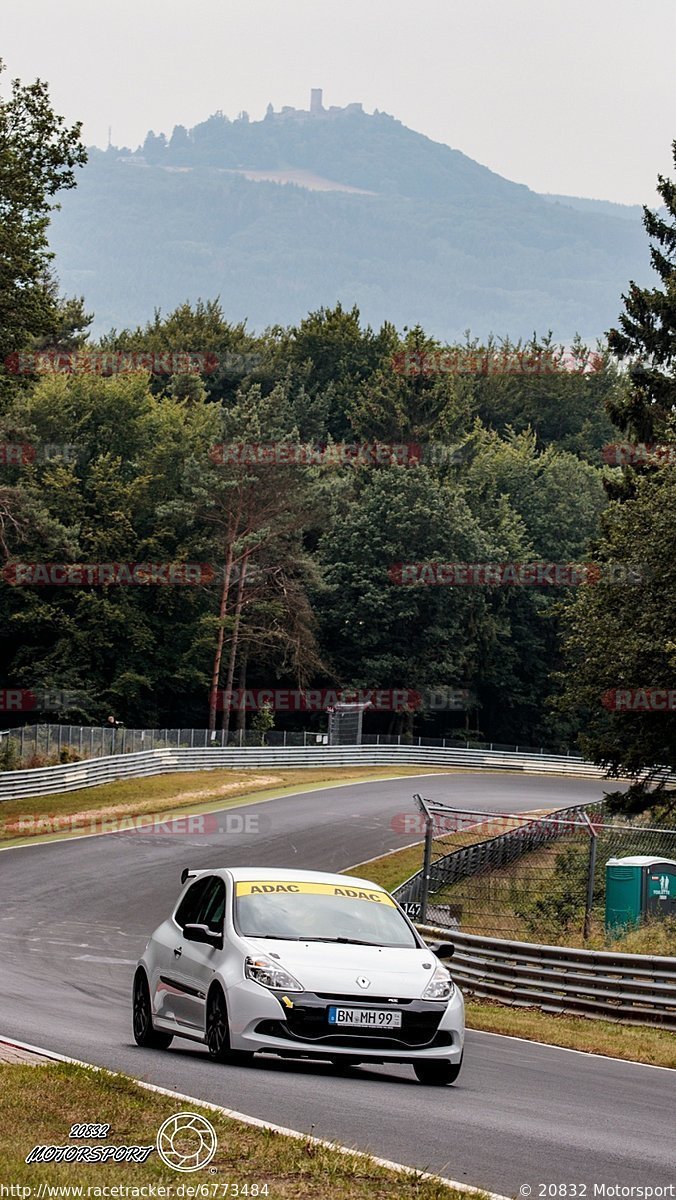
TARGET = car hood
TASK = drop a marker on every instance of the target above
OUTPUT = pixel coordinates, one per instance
(335, 967)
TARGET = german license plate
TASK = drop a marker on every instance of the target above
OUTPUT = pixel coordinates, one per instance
(364, 1018)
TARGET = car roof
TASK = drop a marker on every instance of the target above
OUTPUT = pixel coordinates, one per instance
(280, 874)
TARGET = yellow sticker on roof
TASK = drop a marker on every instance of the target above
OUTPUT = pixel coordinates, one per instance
(262, 887)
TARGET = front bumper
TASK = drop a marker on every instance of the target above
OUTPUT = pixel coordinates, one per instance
(262, 1020)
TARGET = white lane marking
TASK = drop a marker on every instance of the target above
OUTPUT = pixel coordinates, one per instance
(233, 1115)
(128, 962)
(631, 1062)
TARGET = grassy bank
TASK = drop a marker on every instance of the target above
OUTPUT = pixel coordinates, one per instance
(637, 1043)
(39, 1104)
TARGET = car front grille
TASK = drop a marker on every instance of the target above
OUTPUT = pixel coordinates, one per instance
(373, 1040)
(308, 1022)
(362, 998)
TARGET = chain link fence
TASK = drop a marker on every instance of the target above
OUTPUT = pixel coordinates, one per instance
(39, 745)
(535, 878)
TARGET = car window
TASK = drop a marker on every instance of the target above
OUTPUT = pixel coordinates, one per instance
(321, 911)
(188, 909)
(212, 906)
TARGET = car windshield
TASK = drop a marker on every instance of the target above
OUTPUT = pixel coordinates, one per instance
(324, 912)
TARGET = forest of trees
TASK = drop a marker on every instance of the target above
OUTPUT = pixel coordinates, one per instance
(136, 467)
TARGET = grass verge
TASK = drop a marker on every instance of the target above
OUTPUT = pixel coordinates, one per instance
(637, 1043)
(93, 810)
(39, 1104)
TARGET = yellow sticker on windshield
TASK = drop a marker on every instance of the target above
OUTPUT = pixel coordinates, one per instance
(261, 887)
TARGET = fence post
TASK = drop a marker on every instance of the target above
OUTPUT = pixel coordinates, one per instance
(591, 870)
(427, 862)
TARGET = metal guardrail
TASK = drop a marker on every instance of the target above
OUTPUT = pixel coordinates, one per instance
(639, 988)
(492, 853)
(70, 777)
(98, 741)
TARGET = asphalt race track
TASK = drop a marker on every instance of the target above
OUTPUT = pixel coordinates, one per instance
(75, 915)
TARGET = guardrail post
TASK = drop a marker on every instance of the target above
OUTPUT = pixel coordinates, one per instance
(591, 870)
(427, 863)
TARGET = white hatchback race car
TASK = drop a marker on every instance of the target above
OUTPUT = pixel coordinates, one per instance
(300, 964)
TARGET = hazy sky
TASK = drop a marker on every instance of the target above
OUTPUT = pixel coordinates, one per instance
(572, 96)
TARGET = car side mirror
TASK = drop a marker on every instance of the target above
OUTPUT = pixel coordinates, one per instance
(202, 933)
(442, 949)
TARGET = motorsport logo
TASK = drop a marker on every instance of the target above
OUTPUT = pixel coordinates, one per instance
(99, 1153)
(185, 1142)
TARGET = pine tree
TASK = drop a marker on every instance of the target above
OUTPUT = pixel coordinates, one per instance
(647, 333)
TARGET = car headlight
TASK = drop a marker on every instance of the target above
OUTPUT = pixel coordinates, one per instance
(440, 986)
(270, 975)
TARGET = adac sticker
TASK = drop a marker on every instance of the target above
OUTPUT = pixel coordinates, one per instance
(264, 887)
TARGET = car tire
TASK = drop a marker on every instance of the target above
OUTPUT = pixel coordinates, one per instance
(437, 1074)
(218, 1031)
(145, 1033)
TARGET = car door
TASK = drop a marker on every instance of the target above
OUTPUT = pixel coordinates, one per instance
(195, 962)
(169, 997)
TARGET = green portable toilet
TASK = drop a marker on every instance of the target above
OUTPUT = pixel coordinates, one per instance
(637, 887)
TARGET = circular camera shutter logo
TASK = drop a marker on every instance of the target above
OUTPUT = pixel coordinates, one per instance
(186, 1142)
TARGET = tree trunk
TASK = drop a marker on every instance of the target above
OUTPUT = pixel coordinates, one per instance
(241, 687)
(218, 653)
(233, 644)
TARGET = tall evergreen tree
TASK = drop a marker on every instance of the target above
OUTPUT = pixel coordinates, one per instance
(621, 636)
(647, 333)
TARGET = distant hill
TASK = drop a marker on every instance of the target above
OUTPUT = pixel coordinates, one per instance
(283, 215)
(631, 212)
